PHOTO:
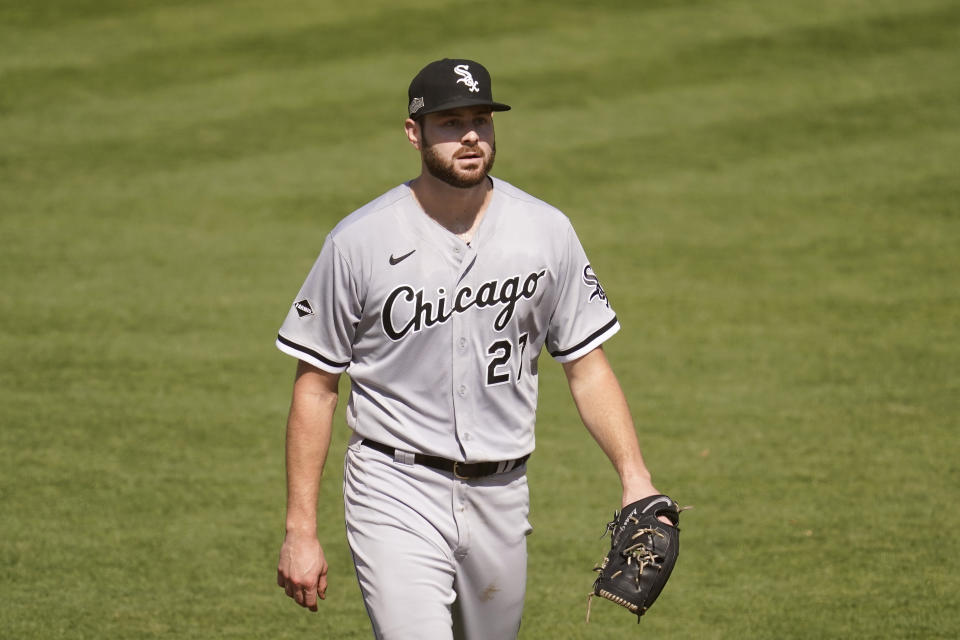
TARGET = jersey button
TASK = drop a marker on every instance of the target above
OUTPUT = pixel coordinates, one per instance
(462, 343)
(462, 390)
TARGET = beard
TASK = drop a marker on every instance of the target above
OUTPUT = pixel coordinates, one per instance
(447, 170)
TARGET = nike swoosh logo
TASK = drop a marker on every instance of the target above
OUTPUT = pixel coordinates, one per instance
(664, 500)
(401, 258)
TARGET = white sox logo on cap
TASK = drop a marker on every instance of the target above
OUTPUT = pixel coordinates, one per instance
(466, 77)
(449, 84)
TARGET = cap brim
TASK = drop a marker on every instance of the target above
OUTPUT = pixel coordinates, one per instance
(460, 102)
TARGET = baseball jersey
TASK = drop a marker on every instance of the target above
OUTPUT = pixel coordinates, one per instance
(441, 338)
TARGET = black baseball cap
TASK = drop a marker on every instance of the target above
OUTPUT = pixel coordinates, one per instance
(448, 84)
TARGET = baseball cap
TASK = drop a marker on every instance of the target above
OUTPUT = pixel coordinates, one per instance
(448, 84)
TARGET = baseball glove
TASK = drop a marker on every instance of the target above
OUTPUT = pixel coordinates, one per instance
(643, 551)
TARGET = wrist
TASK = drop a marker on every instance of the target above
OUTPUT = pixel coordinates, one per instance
(636, 487)
(301, 527)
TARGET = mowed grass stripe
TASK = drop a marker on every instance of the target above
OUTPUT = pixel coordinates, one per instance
(773, 52)
(200, 139)
(290, 47)
(280, 132)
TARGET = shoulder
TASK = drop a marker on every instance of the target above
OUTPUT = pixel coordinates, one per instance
(374, 215)
(519, 201)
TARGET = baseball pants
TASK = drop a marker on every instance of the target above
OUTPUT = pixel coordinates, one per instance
(437, 558)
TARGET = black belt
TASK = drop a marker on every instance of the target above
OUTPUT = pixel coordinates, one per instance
(461, 470)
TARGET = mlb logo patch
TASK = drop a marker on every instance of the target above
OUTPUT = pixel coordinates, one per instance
(303, 308)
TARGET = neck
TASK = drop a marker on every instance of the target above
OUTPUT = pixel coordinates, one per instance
(457, 210)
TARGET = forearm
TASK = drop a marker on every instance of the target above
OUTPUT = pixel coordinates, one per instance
(606, 415)
(309, 427)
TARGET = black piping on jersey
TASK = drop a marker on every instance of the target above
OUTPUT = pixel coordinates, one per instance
(593, 336)
(311, 352)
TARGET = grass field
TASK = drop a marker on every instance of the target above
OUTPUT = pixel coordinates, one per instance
(769, 191)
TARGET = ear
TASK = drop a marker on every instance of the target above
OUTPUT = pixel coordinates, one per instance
(412, 129)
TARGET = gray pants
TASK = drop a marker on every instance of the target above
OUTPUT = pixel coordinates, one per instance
(437, 558)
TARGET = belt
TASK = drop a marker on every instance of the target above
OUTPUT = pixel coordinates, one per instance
(461, 470)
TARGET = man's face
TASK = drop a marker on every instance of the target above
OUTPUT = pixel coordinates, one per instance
(458, 146)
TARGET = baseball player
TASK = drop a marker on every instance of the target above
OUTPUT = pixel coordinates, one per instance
(437, 299)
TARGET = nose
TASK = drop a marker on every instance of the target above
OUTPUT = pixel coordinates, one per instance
(470, 138)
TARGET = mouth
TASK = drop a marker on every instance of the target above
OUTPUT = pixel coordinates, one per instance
(469, 155)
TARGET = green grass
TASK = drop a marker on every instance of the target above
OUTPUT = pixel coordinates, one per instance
(769, 192)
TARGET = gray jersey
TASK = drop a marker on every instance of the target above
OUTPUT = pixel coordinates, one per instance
(441, 339)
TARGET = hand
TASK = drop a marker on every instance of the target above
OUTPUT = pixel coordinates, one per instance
(639, 491)
(302, 569)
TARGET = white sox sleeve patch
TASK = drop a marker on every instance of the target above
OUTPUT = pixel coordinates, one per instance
(583, 318)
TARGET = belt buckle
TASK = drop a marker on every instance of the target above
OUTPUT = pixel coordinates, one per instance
(456, 474)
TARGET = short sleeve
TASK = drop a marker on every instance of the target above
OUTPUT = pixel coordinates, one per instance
(321, 324)
(583, 318)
